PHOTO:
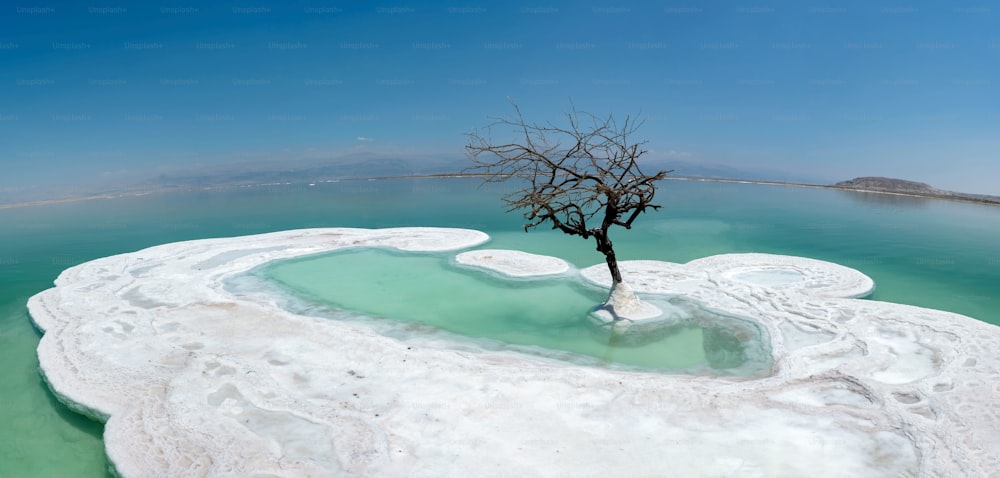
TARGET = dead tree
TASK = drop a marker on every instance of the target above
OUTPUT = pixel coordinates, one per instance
(582, 178)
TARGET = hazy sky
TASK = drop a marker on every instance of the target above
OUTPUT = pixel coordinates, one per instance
(825, 89)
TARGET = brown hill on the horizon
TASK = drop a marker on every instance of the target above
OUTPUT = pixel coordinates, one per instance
(876, 183)
(902, 186)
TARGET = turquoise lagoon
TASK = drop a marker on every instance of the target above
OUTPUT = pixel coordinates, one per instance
(936, 254)
(400, 292)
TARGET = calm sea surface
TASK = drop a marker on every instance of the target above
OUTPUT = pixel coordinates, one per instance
(936, 254)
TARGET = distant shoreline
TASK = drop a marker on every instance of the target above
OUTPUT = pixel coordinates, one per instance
(123, 194)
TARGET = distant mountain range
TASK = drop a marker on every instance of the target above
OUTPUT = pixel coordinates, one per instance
(911, 188)
(372, 165)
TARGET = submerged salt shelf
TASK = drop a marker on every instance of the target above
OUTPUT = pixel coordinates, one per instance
(193, 379)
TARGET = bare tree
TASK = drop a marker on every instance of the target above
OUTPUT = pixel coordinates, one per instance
(582, 178)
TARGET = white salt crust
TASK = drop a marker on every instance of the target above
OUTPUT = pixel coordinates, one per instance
(513, 263)
(194, 380)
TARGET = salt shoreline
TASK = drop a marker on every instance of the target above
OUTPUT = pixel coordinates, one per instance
(193, 379)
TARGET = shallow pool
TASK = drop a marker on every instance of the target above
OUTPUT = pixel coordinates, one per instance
(546, 316)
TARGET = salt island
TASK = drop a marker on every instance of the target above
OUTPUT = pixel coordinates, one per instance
(193, 379)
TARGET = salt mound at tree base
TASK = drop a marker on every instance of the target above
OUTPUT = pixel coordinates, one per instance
(195, 380)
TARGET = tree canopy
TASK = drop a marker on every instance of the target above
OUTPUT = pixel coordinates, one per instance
(581, 178)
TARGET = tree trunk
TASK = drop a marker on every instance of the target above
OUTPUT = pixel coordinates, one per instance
(604, 246)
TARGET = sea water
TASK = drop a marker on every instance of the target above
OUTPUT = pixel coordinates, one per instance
(930, 253)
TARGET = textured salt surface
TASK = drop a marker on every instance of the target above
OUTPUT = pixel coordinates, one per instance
(513, 263)
(196, 380)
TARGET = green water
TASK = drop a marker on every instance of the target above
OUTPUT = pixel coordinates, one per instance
(930, 253)
(548, 313)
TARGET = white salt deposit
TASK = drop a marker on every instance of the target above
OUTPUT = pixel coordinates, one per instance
(513, 263)
(195, 380)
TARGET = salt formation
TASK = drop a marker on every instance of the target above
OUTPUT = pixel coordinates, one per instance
(513, 263)
(196, 380)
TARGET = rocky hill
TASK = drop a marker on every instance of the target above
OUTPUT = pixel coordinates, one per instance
(901, 186)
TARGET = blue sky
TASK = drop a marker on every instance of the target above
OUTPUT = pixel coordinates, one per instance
(825, 90)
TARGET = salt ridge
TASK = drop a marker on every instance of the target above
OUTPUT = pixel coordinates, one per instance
(195, 380)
